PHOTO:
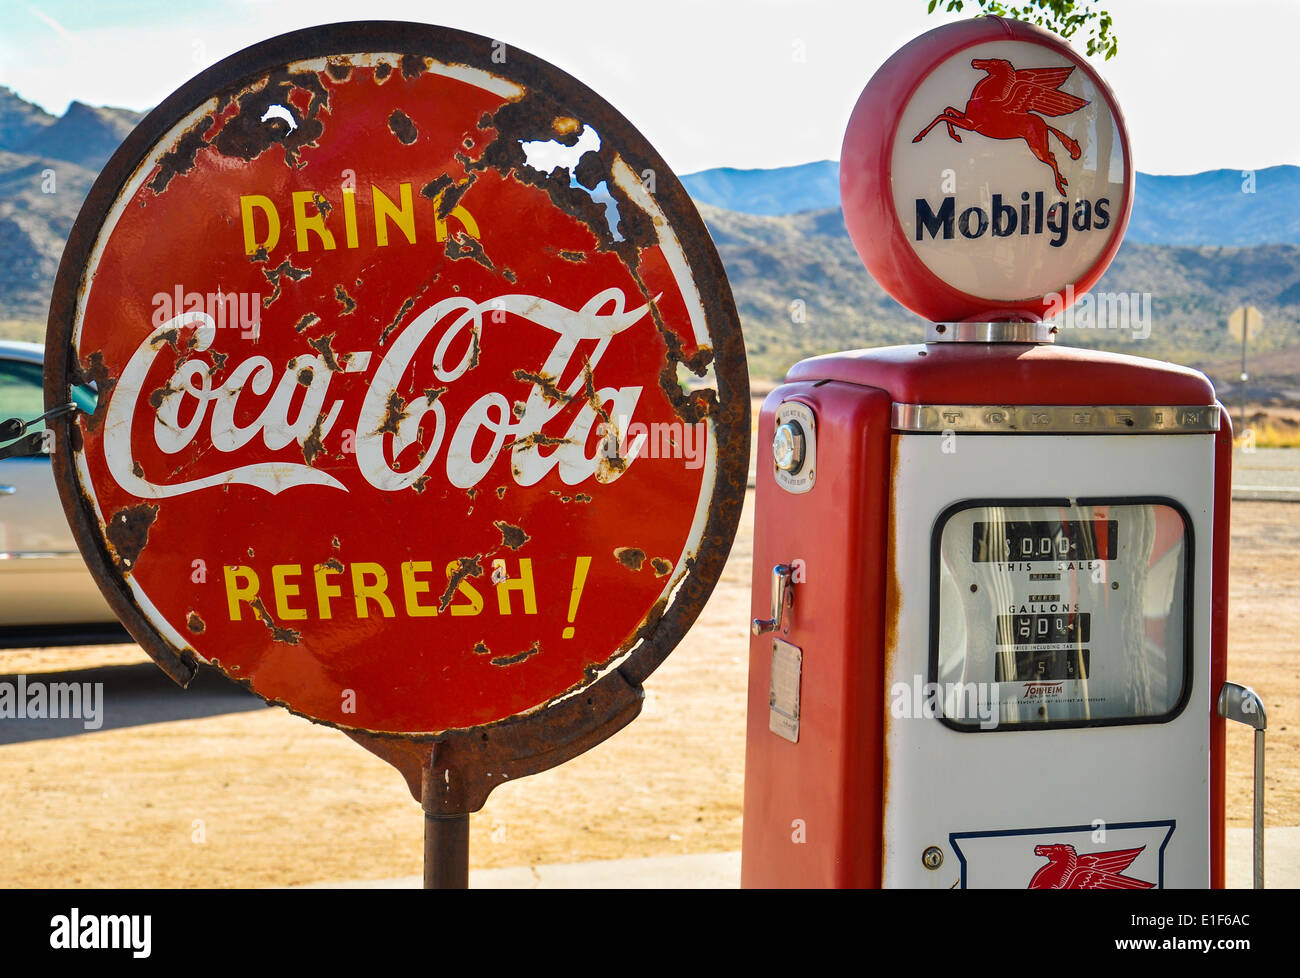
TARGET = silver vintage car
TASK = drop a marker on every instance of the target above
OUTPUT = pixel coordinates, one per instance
(47, 594)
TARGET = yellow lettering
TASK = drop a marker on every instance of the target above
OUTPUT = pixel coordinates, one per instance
(246, 204)
(373, 591)
(412, 588)
(350, 217)
(302, 223)
(403, 217)
(324, 589)
(235, 592)
(284, 590)
(524, 584)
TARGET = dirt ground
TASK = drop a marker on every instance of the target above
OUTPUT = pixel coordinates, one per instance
(268, 799)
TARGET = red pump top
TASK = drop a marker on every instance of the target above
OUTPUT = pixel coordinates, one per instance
(1009, 373)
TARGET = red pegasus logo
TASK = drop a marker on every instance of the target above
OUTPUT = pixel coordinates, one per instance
(1067, 870)
(1000, 105)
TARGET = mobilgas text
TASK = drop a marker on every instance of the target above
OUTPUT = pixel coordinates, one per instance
(1032, 215)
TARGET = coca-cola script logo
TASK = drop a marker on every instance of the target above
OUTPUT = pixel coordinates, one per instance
(456, 322)
(471, 427)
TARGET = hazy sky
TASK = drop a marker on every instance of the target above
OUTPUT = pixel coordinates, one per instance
(746, 83)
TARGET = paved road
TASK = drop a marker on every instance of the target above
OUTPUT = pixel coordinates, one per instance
(1266, 473)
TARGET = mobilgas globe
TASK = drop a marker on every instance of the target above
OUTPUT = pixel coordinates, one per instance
(1000, 175)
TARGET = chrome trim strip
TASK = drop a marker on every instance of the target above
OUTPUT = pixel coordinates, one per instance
(1056, 419)
(990, 333)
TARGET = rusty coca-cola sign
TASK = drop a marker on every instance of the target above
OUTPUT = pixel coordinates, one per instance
(422, 398)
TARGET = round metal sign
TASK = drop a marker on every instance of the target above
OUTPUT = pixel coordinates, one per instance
(423, 404)
(986, 173)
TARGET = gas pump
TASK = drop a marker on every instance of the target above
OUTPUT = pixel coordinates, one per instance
(990, 573)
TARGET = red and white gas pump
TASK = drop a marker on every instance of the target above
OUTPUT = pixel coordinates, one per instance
(990, 573)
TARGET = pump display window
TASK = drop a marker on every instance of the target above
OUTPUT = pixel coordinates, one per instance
(1060, 613)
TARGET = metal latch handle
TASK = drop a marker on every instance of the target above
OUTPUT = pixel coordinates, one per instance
(1241, 703)
(782, 595)
(33, 443)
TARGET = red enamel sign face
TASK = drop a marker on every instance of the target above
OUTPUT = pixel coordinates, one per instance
(986, 174)
(390, 336)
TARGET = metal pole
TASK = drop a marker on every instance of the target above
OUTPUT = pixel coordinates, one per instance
(1245, 331)
(1259, 809)
(446, 852)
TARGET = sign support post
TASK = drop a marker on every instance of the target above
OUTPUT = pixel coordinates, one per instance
(446, 851)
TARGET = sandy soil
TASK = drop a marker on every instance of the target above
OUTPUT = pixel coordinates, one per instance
(267, 799)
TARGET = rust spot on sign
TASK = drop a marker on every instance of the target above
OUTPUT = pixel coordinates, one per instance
(128, 532)
(401, 314)
(465, 567)
(180, 158)
(548, 385)
(321, 345)
(161, 394)
(313, 445)
(97, 374)
(308, 318)
(694, 407)
(413, 66)
(255, 129)
(532, 119)
(276, 276)
(538, 440)
(287, 635)
(661, 566)
(461, 245)
(512, 536)
(393, 414)
(510, 660)
(194, 623)
(445, 193)
(401, 126)
(348, 303)
(630, 557)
